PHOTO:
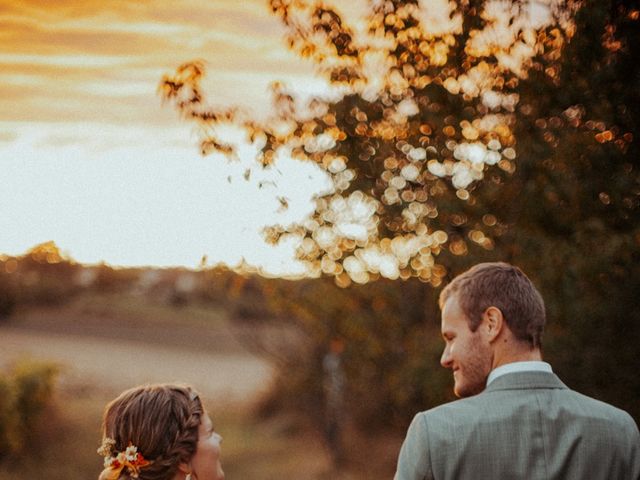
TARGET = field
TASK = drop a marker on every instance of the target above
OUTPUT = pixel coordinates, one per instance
(107, 343)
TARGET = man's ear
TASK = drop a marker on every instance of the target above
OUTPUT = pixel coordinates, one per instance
(493, 323)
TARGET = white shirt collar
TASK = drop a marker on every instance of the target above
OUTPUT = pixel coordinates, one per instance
(534, 366)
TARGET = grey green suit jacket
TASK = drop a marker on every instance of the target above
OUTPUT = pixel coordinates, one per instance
(525, 425)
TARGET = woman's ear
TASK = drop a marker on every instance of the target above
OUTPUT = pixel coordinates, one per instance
(184, 468)
(493, 323)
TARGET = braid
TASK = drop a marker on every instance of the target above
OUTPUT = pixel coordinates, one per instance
(162, 421)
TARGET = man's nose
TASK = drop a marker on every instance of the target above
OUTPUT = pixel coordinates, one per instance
(445, 359)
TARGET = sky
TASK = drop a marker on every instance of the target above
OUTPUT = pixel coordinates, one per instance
(90, 157)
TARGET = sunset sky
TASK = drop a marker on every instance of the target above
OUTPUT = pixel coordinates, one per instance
(91, 159)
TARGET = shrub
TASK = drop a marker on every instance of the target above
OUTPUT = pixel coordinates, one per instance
(391, 336)
(25, 391)
(8, 294)
(7, 419)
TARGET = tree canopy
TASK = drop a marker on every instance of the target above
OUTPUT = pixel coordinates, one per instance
(428, 105)
(462, 131)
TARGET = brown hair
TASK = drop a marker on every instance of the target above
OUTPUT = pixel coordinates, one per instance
(502, 286)
(161, 420)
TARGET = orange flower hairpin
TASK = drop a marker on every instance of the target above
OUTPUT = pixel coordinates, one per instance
(129, 459)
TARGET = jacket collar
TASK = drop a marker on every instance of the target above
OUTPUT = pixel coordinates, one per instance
(526, 381)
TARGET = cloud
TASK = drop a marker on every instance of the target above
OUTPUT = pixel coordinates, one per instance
(57, 58)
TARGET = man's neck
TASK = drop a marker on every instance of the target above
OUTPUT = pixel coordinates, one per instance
(510, 356)
(519, 366)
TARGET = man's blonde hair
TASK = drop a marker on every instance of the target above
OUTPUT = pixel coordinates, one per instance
(502, 286)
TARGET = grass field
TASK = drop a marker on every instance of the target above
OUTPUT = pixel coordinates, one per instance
(63, 446)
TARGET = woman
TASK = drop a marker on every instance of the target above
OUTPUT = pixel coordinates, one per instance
(159, 432)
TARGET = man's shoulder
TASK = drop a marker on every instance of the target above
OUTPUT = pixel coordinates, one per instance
(594, 408)
(502, 404)
(457, 410)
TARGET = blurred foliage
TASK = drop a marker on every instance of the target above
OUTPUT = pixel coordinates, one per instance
(481, 130)
(426, 108)
(42, 276)
(7, 294)
(25, 391)
(387, 342)
(572, 205)
(109, 279)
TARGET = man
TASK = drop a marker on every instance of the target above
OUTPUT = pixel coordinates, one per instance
(516, 419)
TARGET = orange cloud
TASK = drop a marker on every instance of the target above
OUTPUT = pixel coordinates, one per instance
(75, 60)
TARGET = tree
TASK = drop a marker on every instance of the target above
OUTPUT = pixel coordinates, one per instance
(572, 210)
(427, 106)
(478, 130)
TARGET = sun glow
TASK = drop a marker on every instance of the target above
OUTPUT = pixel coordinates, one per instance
(93, 162)
(90, 159)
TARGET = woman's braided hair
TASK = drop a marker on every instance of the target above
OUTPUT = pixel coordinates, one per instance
(162, 421)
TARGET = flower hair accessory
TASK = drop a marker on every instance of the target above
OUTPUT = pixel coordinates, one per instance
(117, 461)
